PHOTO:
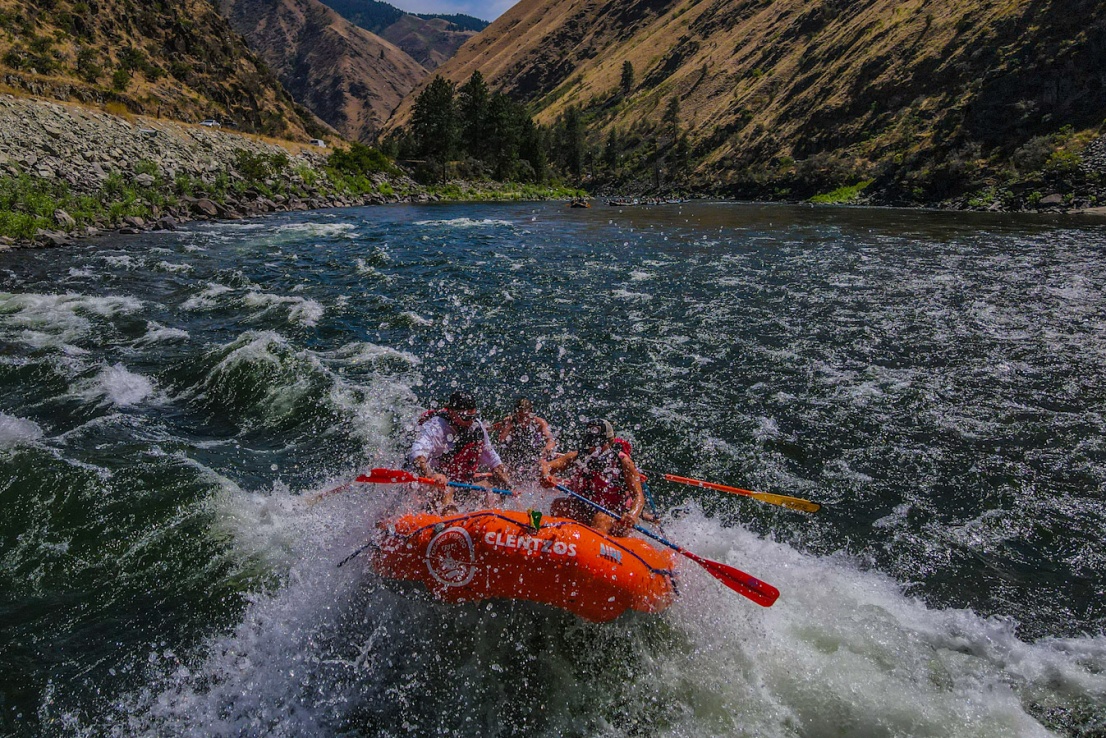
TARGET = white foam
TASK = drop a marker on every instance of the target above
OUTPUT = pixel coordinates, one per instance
(624, 294)
(319, 229)
(300, 309)
(208, 298)
(168, 266)
(843, 651)
(17, 431)
(157, 333)
(58, 321)
(116, 385)
(465, 223)
(124, 261)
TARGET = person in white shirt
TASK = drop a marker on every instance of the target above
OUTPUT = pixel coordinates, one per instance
(453, 445)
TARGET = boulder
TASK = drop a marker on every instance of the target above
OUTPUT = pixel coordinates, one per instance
(64, 219)
(52, 238)
(204, 206)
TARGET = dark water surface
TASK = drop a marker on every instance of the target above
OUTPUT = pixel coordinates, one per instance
(168, 402)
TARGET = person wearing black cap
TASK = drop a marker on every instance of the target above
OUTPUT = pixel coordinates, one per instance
(524, 440)
(453, 445)
(602, 472)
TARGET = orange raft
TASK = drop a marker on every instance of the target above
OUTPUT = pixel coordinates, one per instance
(499, 554)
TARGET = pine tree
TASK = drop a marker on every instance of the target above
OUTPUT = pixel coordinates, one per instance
(433, 121)
(503, 135)
(532, 149)
(627, 84)
(573, 144)
(611, 151)
(472, 104)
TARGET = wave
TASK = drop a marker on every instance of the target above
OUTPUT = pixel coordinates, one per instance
(115, 385)
(467, 223)
(844, 651)
(17, 431)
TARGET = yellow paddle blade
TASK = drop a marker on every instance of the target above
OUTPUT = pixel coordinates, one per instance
(794, 503)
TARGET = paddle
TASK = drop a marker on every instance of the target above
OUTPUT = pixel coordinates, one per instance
(794, 503)
(400, 476)
(762, 593)
(323, 495)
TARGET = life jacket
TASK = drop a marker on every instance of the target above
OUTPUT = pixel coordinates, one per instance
(523, 444)
(460, 463)
(599, 477)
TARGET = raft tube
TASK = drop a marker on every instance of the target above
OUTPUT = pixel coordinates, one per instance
(499, 554)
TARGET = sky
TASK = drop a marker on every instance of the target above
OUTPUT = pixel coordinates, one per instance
(486, 9)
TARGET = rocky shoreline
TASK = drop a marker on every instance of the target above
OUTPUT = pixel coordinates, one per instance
(156, 174)
(85, 150)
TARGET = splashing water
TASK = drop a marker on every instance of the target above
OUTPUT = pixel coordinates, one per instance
(172, 402)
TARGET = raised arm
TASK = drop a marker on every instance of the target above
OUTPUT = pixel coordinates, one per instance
(633, 481)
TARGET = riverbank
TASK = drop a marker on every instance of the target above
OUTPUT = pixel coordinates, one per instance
(69, 171)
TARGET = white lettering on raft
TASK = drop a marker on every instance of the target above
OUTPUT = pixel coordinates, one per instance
(529, 543)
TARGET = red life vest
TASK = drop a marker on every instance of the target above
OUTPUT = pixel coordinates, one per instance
(599, 478)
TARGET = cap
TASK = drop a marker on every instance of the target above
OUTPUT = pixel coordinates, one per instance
(601, 428)
(461, 401)
(597, 432)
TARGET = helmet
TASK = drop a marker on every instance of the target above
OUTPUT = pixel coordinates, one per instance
(461, 401)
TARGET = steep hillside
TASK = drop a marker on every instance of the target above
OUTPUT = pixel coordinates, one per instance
(347, 76)
(931, 98)
(429, 39)
(170, 58)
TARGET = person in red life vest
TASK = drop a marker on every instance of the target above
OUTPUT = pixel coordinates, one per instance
(453, 445)
(602, 472)
(524, 441)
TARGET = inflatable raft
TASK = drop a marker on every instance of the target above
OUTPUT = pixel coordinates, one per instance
(500, 554)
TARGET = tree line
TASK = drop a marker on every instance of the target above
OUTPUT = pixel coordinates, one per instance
(470, 132)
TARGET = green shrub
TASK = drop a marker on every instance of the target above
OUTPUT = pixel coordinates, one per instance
(120, 79)
(842, 194)
(359, 159)
(1062, 163)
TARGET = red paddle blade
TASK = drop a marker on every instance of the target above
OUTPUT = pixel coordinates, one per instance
(387, 476)
(762, 593)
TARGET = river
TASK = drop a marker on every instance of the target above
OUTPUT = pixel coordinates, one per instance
(170, 402)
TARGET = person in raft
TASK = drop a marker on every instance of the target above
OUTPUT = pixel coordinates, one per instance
(453, 445)
(524, 441)
(603, 472)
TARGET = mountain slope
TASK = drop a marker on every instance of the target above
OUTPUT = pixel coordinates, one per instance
(429, 39)
(929, 94)
(347, 76)
(177, 59)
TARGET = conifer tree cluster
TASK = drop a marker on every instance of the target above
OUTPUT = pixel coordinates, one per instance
(471, 132)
